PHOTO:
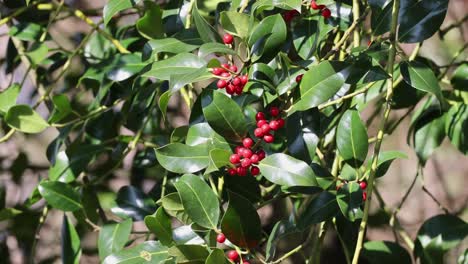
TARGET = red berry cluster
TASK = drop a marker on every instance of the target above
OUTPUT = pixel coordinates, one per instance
(325, 12)
(244, 158)
(264, 127)
(363, 186)
(230, 79)
(234, 256)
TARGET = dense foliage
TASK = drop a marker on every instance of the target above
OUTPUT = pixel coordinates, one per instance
(275, 91)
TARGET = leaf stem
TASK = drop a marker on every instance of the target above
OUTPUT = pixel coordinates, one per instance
(7, 135)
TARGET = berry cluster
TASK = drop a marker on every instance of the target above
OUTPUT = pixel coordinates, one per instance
(244, 159)
(264, 127)
(362, 185)
(230, 79)
(231, 254)
(325, 12)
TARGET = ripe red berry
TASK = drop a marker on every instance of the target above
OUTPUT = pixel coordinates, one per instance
(228, 38)
(280, 122)
(234, 158)
(220, 238)
(233, 68)
(241, 171)
(217, 71)
(238, 150)
(225, 66)
(261, 154)
(245, 261)
(268, 138)
(247, 153)
(247, 142)
(244, 79)
(230, 89)
(238, 89)
(236, 81)
(254, 171)
(314, 5)
(364, 196)
(265, 128)
(260, 116)
(258, 132)
(363, 185)
(274, 111)
(262, 122)
(299, 78)
(274, 125)
(255, 158)
(232, 171)
(326, 13)
(233, 255)
(221, 84)
(246, 163)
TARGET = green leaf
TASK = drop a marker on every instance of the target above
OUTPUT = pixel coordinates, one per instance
(71, 245)
(419, 20)
(62, 108)
(248, 187)
(320, 209)
(307, 35)
(124, 66)
(203, 134)
(114, 6)
(8, 97)
(180, 158)
(37, 53)
(349, 198)
(352, 139)
(319, 84)
(8, 213)
(385, 160)
(209, 48)
(62, 169)
(199, 201)
(241, 223)
(285, 170)
(113, 237)
(160, 225)
(174, 207)
(267, 38)
(224, 116)
(150, 25)
(217, 257)
(235, 23)
(381, 17)
(60, 195)
(23, 118)
(385, 252)
(437, 235)
(456, 127)
(146, 252)
(26, 31)
(421, 77)
(133, 203)
(429, 132)
(283, 4)
(218, 159)
(182, 63)
(169, 45)
(205, 30)
(190, 254)
(281, 229)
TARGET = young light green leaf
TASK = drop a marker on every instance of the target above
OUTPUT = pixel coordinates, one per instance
(23, 118)
(8, 97)
(112, 237)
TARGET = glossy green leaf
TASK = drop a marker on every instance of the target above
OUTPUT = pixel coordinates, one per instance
(132, 202)
(169, 45)
(320, 209)
(285, 170)
(456, 127)
(26, 31)
(437, 235)
(160, 225)
(174, 207)
(8, 97)
(190, 254)
(203, 134)
(199, 201)
(37, 53)
(283, 4)
(217, 257)
(113, 237)
(209, 48)
(224, 115)
(241, 223)
(349, 198)
(71, 245)
(352, 139)
(419, 20)
(421, 77)
(205, 30)
(381, 16)
(235, 23)
(185, 235)
(267, 38)
(182, 63)
(180, 158)
(62, 169)
(177, 81)
(60, 195)
(150, 25)
(146, 252)
(385, 252)
(319, 84)
(308, 34)
(62, 108)
(114, 6)
(23, 118)
(124, 66)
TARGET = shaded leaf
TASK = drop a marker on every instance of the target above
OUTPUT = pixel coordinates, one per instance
(60, 195)
(23, 118)
(71, 245)
(113, 237)
(146, 252)
(133, 203)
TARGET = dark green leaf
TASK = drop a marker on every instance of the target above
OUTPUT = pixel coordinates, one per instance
(114, 6)
(235, 23)
(267, 38)
(456, 127)
(8, 213)
(248, 187)
(146, 252)
(209, 48)
(71, 245)
(351, 138)
(150, 25)
(281, 229)
(169, 45)
(160, 225)
(205, 30)
(241, 223)
(203, 134)
(113, 237)
(60, 195)
(320, 209)
(124, 67)
(8, 97)
(429, 131)
(180, 158)
(349, 198)
(190, 254)
(25, 119)
(308, 34)
(385, 252)
(62, 169)
(133, 203)
(421, 77)
(199, 201)
(217, 257)
(285, 170)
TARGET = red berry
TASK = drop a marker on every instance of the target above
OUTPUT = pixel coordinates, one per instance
(217, 71)
(230, 89)
(314, 5)
(269, 138)
(255, 158)
(245, 262)
(261, 154)
(262, 122)
(234, 158)
(326, 13)
(260, 116)
(258, 132)
(363, 185)
(238, 150)
(299, 78)
(241, 171)
(225, 66)
(321, 7)
(233, 255)
(247, 142)
(364, 196)
(247, 153)
(228, 38)
(238, 89)
(233, 68)
(254, 171)
(221, 84)
(246, 163)
(232, 171)
(244, 79)
(280, 122)
(274, 111)
(220, 238)
(265, 128)
(274, 125)
(236, 81)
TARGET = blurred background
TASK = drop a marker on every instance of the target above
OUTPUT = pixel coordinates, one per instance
(23, 161)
